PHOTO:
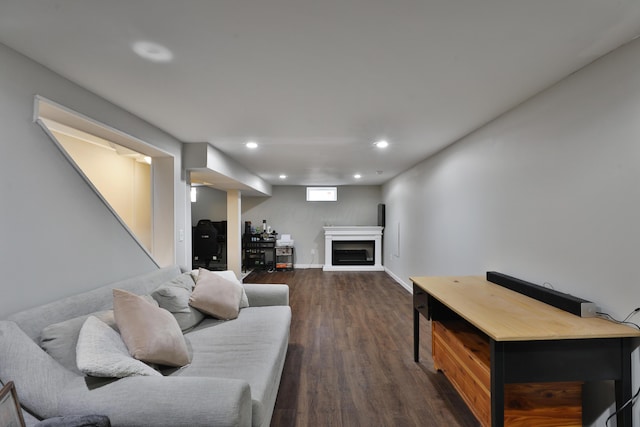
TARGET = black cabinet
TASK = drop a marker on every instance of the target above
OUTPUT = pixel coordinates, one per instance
(258, 251)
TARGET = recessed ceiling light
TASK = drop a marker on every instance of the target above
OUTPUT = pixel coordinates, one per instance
(152, 51)
(252, 145)
(381, 144)
(357, 176)
(283, 176)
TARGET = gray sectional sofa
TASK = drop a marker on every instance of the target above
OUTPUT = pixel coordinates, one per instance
(232, 380)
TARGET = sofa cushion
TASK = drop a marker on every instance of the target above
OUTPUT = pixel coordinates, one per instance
(150, 333)
(216, 296)
(102, 353)
(174, 297)
(163, 401)
(60, 339)
(230, 276)
(252, 348)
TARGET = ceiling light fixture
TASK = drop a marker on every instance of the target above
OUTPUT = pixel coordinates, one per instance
(252, 145)
(381, 144)
(153, 52)
(357, 176)
(283, 176)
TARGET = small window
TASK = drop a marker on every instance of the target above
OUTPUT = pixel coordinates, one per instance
(322, 194)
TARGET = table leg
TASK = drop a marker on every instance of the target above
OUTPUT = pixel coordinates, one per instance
(497, 384)
(416, 336)
(623, 386)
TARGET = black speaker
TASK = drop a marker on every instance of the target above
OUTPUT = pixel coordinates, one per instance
(574, 305)
(381, 213)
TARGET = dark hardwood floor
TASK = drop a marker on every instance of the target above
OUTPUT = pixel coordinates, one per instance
(350, 359)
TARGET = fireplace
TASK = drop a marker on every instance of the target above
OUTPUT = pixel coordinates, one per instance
(353, 248)
(352, 252)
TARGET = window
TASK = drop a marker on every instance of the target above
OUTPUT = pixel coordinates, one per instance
(322, 194)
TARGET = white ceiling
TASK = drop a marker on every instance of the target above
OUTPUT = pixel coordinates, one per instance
(316, 82)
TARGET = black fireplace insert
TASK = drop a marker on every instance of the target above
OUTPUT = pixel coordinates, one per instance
(353, 252)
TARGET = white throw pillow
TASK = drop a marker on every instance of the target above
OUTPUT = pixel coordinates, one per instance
(100, 352)
(60, 339)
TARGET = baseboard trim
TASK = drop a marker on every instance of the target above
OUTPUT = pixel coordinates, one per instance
(305, 266)
(402, 283)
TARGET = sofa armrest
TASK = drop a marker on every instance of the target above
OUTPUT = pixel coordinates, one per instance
(38, 378)
(161, 401)
(260, 295)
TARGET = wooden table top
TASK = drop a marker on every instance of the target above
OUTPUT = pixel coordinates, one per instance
(505, 315)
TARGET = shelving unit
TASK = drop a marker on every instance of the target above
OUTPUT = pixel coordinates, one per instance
(284, 258)
(258, 251)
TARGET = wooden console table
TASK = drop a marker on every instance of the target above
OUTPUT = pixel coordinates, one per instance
(487, 339)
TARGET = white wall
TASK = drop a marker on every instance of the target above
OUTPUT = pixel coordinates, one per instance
(124, 182)
(288, 212)
(58, 238)
(549, 192)
(210, 204)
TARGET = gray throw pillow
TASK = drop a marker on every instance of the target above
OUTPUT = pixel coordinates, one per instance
(59, 340)
(174, 296)
(182, 281)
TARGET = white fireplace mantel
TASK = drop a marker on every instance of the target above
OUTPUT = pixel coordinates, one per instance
(352, 232)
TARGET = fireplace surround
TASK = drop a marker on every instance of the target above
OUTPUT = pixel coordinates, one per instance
(353, 248)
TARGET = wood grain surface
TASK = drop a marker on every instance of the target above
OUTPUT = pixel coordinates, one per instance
(350, 358)
(505, 315)
(463, 354)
